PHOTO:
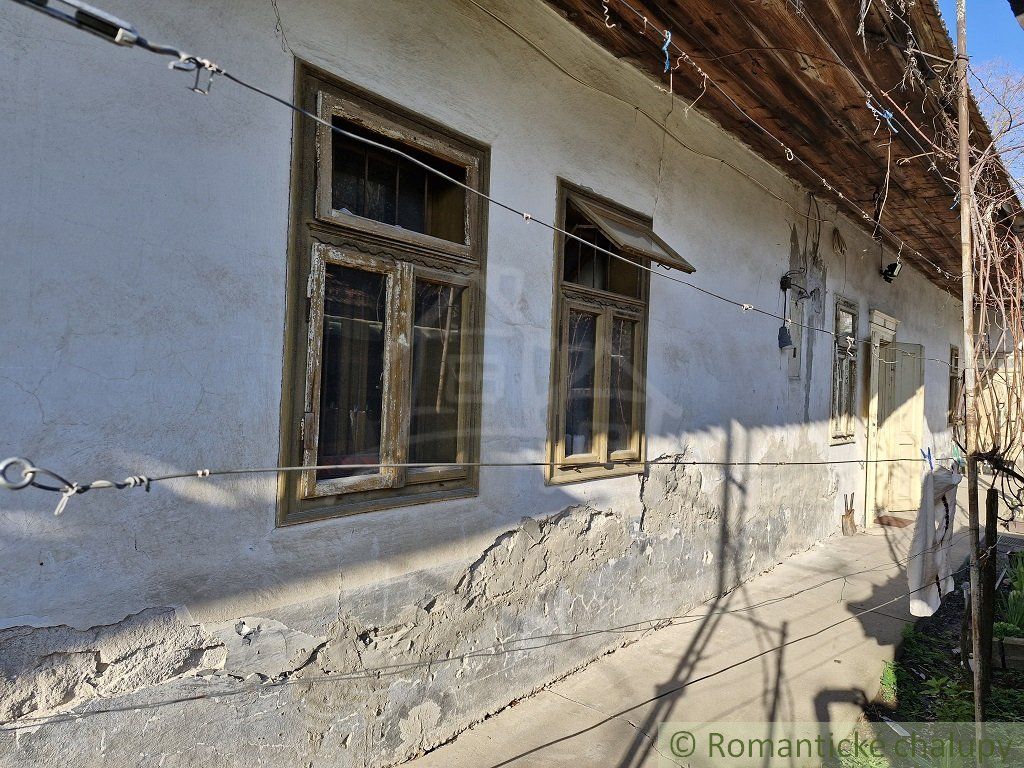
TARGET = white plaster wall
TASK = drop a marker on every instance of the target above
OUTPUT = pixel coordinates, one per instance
(144, 233)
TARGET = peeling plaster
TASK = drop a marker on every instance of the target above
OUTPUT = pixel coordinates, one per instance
(399, 671)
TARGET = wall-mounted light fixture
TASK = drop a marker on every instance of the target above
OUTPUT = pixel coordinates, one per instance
(786, 284)
(892, 271)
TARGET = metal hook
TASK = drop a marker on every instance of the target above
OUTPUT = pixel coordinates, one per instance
(199, 66)
(204, 90)
(28, 473)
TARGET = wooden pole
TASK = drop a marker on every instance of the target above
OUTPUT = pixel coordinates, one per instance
(970, 379)
(988, 589)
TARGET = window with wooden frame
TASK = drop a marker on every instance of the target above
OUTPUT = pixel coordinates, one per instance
(599, 351)
(953, 403)
(385, 308)
(844, 372)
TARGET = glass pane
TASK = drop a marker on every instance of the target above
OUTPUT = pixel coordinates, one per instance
(583, 265)
(620, 410)
(352, 370)
(579, 406)
(844, 324)
(447, 205)
(837, 385)
(381, 187)
(436, 364)
(349, 174)
(412, 198)
(623, 278)
(389, 188)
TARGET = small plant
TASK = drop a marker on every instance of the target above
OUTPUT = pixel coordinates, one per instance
(1016, 573)
(1003, 629)
(1013, 608)
(889, 684)
(955, 706)
(935, 686)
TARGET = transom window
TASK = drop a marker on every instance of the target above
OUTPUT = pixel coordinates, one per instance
(598, 391)
(844, 372)
(384, 344)
(373, 183)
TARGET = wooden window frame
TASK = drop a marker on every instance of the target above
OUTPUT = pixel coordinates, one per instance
(568, 468)
(839, 433)
(953, 396)
(321, 236)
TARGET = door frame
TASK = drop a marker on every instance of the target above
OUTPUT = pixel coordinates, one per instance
(883, 330)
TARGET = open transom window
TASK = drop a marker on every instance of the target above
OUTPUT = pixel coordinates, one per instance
(598, 390)
(383, 398)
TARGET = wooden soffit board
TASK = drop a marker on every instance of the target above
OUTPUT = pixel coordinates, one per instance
(801, 70)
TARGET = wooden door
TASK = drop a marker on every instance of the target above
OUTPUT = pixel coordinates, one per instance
(900, 421)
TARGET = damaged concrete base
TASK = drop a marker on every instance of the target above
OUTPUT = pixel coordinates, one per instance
(396, 669)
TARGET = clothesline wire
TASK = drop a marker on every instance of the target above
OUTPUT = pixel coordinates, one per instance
(671, 134)
(528, 217)
(69, 488)
(197, 65)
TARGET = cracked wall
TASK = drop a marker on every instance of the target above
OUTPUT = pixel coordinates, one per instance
(384, 673)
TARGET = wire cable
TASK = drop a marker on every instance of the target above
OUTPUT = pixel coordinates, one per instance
(10, 467)
(790, 155)
(191, 63)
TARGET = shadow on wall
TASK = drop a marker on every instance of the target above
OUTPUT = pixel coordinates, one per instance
(413, 660)
(381, 673)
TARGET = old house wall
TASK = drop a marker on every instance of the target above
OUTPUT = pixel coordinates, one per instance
(145, 232)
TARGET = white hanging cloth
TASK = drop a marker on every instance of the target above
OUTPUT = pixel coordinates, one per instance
(928, 570)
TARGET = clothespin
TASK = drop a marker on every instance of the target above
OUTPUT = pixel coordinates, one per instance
(957, 457)
(883, 114)
(928, 457)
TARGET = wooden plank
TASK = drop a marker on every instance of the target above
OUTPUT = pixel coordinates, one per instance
(802, 75)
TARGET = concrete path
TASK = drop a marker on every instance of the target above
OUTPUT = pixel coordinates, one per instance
(723, 662)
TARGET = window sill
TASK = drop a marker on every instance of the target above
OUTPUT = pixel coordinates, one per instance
(568, 476)
(837, 441)
(328, 507)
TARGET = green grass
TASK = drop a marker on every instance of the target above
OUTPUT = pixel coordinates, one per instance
(945, 694)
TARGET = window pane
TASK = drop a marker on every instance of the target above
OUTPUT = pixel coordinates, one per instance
(412, 200)
(579, 406)
(844, 324)
(352, 370)
(447, 205)
(620, 410)
(386, 187)
(381, 187)
(584, 265)
(347, 185)
(437, 357)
